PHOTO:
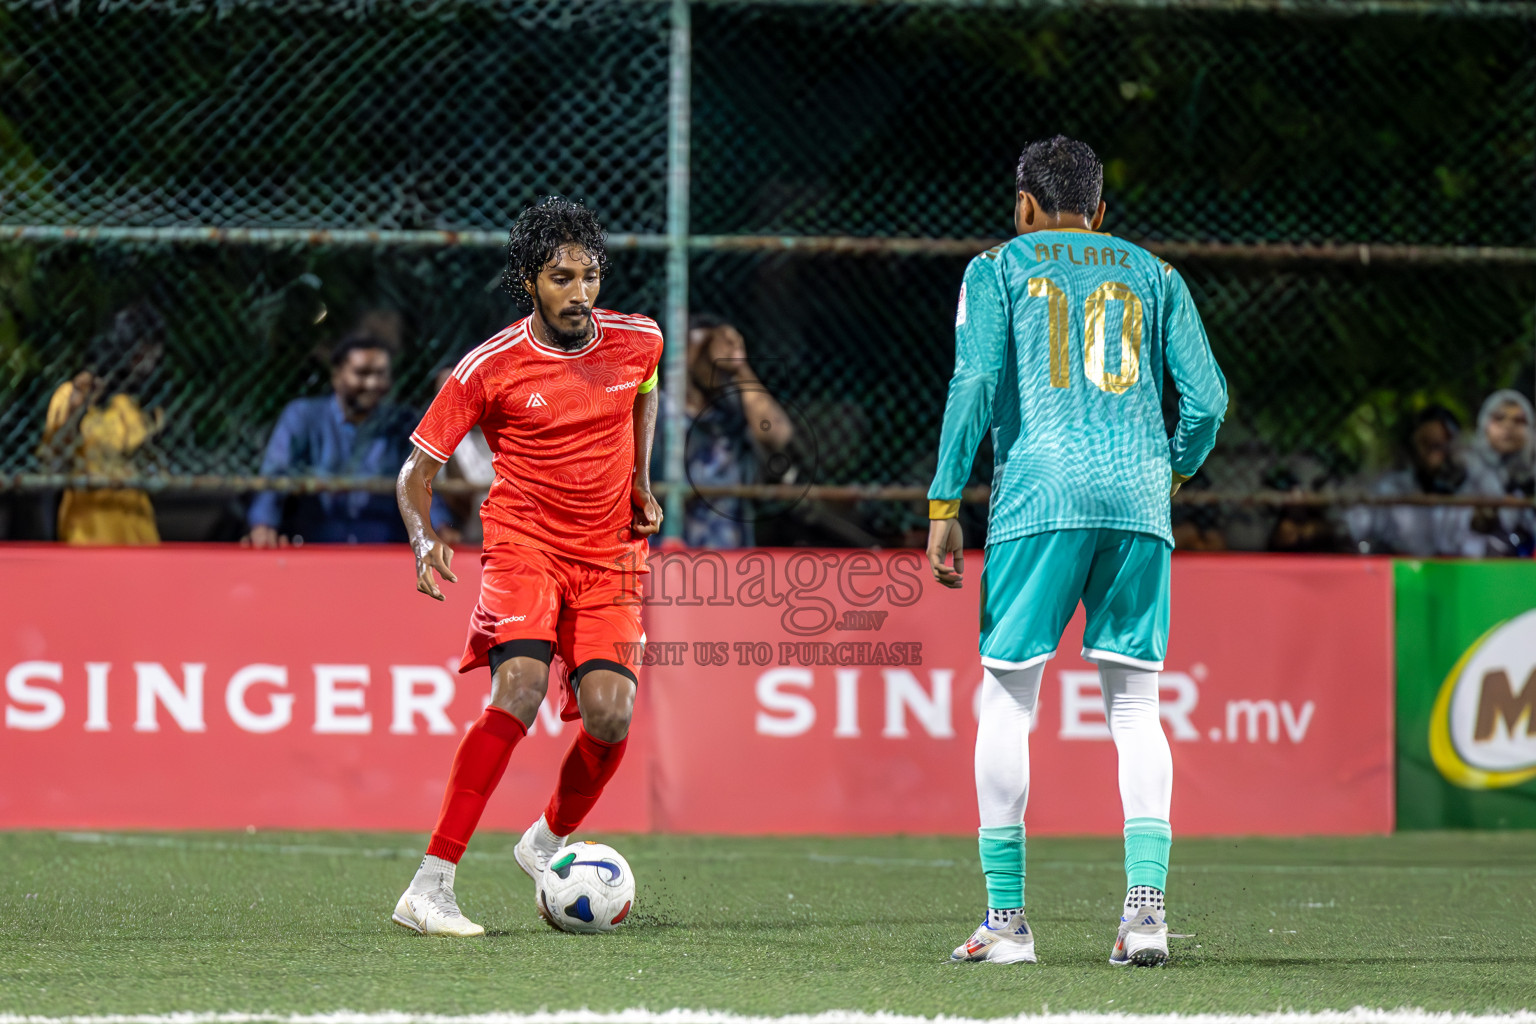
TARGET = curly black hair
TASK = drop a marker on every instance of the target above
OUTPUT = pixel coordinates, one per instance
(542, 229)
(1063, 175)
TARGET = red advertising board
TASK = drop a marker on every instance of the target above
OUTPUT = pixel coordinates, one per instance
(840, 686)
(214, 687)
(786, 691)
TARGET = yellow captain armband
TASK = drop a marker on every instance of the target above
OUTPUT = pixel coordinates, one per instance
(649, 384)
(1179, 480)
(943, 509)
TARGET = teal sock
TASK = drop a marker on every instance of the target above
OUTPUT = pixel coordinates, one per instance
(1147, 843)
(1002, 861)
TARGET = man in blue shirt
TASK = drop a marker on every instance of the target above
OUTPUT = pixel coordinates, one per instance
(351, 432)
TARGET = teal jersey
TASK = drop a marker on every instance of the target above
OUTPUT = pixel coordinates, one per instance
(1061, 340)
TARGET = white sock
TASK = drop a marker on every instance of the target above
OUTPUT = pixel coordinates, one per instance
(1005, 715)
(997, 920)
(544, 840)
(1139, 896)
(1146, 763)
(434, 873)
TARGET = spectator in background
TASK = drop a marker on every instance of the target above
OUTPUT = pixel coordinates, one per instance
(96, 426)
(1506, 444)
(351, 432)
(472, 461)
(1196, 526)
(1303, 527)
(736, 431)
(1437, 466)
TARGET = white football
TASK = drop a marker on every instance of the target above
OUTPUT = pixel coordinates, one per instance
(587, 888)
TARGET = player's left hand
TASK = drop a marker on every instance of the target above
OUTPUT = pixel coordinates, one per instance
(647, 518)
(944, 539)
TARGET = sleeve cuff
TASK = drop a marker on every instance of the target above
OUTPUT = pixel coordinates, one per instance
(943, 509)
(430, 449)
(649, 384)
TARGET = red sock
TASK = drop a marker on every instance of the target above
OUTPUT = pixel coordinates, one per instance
(477, 767)
(587, 767)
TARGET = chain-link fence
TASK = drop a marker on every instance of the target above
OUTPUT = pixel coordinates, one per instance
(1348, 187)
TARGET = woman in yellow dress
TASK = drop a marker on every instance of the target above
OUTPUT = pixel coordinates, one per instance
(95, 426)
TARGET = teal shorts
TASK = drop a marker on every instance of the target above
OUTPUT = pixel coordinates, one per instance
(1030, 588)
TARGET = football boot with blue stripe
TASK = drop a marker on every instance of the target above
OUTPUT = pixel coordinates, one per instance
(1013, 943)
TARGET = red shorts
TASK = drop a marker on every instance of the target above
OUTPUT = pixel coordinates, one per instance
(590, 614)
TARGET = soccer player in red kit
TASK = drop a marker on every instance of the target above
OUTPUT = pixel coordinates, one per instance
(566, 397)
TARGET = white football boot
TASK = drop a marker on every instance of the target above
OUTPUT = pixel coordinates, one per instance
(434, 911)
(1013, 943)
(536, 849)
(533, 853)
(1143, 939)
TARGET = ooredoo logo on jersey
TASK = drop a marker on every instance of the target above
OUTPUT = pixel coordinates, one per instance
(1482, 732)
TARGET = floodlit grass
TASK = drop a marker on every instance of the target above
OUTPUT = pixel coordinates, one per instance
(145, 923)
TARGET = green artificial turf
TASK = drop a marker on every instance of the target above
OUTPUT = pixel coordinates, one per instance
(145, 923)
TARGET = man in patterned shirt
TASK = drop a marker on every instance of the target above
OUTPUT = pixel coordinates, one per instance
(566, 399)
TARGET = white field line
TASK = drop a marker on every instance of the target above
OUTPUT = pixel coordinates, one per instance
(1358, 1015)
(412, 853)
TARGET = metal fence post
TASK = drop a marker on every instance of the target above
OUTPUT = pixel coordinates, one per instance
(675, 378)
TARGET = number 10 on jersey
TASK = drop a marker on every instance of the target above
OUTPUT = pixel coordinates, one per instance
(1094, 315)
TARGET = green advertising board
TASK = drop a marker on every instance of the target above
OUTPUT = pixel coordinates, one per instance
(1466, 695)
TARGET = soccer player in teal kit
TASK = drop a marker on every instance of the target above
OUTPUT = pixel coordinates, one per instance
(1061, 339)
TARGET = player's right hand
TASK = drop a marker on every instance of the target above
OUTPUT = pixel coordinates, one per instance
(944, 539)
(433, 556)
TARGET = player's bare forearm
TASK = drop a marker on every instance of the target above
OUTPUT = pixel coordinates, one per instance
(647, 511)
(645, 434)
(413, 493)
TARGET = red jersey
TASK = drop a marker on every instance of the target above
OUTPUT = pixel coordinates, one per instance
(561, 431)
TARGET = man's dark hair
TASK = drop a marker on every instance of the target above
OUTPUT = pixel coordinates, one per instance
(111, 354)
(1434, 414)
(357, 342)
(539, 232)
(131, 328)
(1063, 175)
(705, 322)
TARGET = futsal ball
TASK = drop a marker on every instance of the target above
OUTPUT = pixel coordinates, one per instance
(587, 888)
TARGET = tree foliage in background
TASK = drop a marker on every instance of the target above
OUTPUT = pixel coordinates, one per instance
(879, 119)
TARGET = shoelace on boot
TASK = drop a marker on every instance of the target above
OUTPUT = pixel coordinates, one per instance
(443, 901)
